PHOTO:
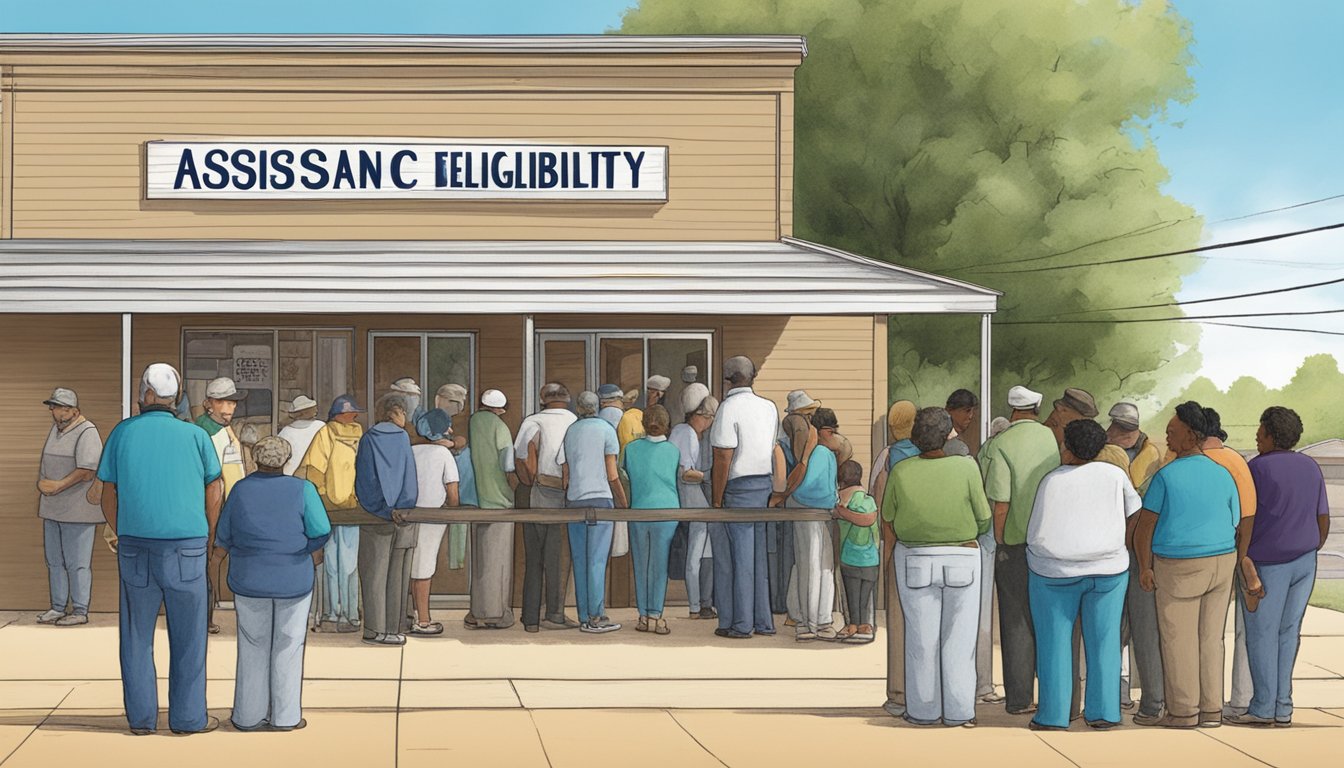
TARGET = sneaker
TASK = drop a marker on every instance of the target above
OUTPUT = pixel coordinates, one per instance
(287, 728)
(394, 639)
(50, 617)
(1170, 721)
(346, 627)
(142, 731)
(1248, 719)
(1211, 719)
(599, 627)
(73, 620)
(432, 628)
(533, 628)
(211, 723)
(564, 623)
(894, 708)
(992, 697)
(708, 613)
(1283, 723)
(1027, 710)
(214, 629)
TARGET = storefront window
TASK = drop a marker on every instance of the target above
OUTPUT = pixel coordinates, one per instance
(586, 360)
(432, 359)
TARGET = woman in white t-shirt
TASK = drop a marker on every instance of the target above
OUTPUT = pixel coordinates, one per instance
(1079, 568)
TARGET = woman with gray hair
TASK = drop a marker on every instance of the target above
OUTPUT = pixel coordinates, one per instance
(273, 526)
(936, 507)
(691, 439)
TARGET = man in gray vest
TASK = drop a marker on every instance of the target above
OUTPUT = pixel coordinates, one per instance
(69, 463)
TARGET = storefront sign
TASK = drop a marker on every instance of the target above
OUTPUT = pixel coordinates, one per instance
(302, 170)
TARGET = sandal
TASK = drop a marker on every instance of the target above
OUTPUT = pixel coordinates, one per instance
(849, 631)
(661, 628)
(642, 625)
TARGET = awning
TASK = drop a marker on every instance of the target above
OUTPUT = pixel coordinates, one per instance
(502, 277)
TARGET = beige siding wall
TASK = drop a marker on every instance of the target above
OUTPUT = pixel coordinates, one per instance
(41, 352)
(78, 164)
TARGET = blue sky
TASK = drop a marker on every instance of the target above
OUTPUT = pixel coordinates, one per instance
(1263, 132)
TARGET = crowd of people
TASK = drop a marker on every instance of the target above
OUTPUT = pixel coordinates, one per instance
(1093, 539)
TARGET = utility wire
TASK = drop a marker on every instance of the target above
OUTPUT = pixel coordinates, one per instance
(1208, 300)
(1188, 318)
(1149, 229)
(1183, 252)
(1278, 328)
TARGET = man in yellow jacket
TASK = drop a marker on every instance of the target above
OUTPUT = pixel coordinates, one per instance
(1145, 458)
(329, 464)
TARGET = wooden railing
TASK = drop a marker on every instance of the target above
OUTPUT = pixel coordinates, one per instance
(584, 514)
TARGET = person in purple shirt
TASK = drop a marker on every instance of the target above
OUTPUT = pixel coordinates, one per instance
(1292, 519)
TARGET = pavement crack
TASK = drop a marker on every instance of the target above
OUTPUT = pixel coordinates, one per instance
(699, 743)
(35, 729)
(396, 736)
(1047, 743)
(537, 729)
(1207, 732)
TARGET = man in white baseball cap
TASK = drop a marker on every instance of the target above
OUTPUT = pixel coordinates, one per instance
(162, 495)
(221, 403)
(299, 432)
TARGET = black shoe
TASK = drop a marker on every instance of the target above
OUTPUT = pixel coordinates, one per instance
(1101, 725)
(1035, 726)
(285, 729)
(732, 634)
(211, 723)
(1027, 710)
(262, 726)
(766, 632)
(142, 731)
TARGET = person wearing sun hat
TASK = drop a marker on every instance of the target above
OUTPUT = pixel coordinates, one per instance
(300, 431)
(329, 464)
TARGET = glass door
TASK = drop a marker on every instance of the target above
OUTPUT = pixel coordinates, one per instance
(588, 359)
(432, 359)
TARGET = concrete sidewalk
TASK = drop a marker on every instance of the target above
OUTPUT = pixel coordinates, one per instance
(561, 698)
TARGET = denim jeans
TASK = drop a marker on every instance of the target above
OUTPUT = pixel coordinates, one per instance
(649, 548)
(699, 579)
(940, 598)
(1056, 606)
(69, 550)
(340, 557)
(271, 636)
(1273, 633)
(589, 548)
(168, 573)
(740, 560)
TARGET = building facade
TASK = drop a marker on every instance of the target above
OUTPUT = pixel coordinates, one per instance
(321, 215)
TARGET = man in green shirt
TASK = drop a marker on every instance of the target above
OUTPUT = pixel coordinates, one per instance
(1014, 464)
(491, 543)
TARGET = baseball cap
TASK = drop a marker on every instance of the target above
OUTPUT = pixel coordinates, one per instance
(223, 388)
(406, 385)
(1125, 415)
(660, 383)
(609, 392)
(1021, 398)
(343, 404)
(689, 374)
(162, 378)
(62, 397)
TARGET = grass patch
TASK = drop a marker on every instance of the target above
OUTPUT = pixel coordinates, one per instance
(1329, 594)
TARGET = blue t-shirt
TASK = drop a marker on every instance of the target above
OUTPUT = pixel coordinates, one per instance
(817, 490)
(466, 480)
(160, 466)
(587, 443)
(900, 451)
(1197, 509)
(271, 524)
(653, 465)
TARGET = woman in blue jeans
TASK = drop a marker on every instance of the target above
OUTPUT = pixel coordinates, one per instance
(1079, 568)
(652, 464)
(1292, 519)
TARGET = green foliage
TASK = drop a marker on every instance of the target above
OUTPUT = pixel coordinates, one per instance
(1313, 392)
(953, 135)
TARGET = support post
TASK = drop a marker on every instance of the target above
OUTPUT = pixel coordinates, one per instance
(529, 365)
(126, 394)
(986, 358)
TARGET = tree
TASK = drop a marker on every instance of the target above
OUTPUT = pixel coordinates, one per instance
(1312, 392)
(953, 136)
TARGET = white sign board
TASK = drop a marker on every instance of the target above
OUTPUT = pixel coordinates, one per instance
(288, 169)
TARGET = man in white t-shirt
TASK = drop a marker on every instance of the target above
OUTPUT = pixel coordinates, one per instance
(300, 431)
(743, 439)
(1079, 568)
(436, 478)
(536, 449)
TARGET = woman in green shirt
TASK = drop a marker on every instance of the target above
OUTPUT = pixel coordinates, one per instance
(936, 508)
(652, 463)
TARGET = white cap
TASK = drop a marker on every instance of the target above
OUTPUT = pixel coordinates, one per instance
(1022, 398)
(302, 403)
(223, 388)
(692, 396)
(493, 398)
(660, 383)
(162, 378)
(406, 385)
(689, 374)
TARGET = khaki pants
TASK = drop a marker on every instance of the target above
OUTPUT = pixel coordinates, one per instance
(1192, 598)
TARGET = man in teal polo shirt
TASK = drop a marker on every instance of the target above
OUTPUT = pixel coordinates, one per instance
(162, 494)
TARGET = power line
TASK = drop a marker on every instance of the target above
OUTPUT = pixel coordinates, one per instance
(1278, 328)
(1176, 319)
(1149, 229)
(1215, 298)
(1186, 251)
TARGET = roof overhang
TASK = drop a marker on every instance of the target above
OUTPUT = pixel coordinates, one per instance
(789, 277)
